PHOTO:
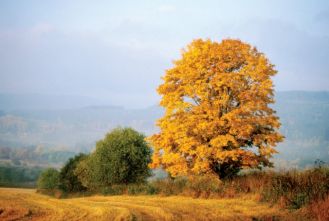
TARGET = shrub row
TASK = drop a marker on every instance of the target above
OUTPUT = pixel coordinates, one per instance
(292, 189)
(297, 188)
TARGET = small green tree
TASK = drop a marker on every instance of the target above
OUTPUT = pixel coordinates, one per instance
(69, 181)
(48, 179)
(122, 157)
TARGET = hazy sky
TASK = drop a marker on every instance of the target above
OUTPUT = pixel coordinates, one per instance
(116, 51)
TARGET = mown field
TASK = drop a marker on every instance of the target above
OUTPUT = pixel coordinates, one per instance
(26, 204)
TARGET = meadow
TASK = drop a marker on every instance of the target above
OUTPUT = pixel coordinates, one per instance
(255, 196)
(26, 204)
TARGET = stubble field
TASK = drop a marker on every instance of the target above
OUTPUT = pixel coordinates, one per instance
(26, 204)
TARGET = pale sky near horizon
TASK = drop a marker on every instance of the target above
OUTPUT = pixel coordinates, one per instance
(117, 51)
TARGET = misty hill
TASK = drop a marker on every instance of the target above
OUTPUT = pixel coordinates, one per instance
(305, 124)
(304, 117)
(9, 102)
(76, 129)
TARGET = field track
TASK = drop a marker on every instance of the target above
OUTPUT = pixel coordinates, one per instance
(25, 204)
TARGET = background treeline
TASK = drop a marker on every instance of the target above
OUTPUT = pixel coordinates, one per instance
(33, 155)
(17, 176)
(21, 167)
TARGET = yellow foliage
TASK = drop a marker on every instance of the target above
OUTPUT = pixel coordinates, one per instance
(217, 113)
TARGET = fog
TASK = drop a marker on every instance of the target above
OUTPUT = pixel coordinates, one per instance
(116, 52)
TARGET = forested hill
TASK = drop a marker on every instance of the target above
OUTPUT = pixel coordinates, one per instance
(57, 125)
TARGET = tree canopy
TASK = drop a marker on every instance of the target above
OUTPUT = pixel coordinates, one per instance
(217, 117)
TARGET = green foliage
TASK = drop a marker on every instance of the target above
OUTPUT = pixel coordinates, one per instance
(49, 179)
(122, 157)
(19, 176)
(69, 181)
(86, 173)
(130, 189)
(142, 189)
(151, 189)
(134, 189)
(113, 190)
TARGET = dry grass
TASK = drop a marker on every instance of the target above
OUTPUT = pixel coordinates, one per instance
(320, 209)
(25, 204)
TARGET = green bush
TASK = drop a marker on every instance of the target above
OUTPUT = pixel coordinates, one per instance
(142, 189)
(113, 190)
(48, 179)
(135, 189)
(151, 189)
(130, 189)
(122, 157)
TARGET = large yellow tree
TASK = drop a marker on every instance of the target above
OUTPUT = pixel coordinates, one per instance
(217, 115)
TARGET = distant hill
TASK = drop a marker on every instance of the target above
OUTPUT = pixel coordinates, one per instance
(304, 117)
(9, 102)
(305, 124)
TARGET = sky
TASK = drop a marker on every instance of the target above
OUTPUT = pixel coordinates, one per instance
(117, 51)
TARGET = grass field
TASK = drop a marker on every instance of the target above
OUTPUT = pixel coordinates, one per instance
(26, 204)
